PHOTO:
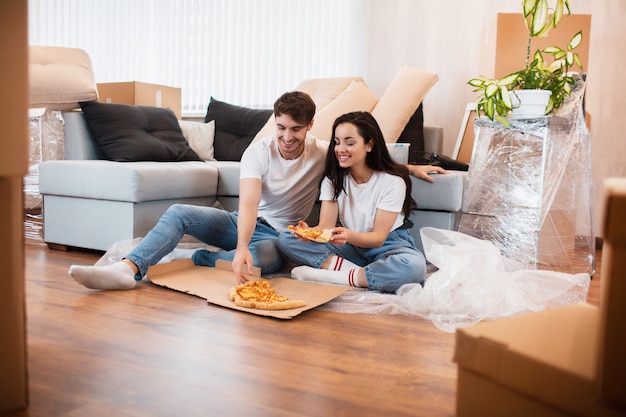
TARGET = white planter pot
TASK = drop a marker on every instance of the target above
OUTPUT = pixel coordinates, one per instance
(529, 103)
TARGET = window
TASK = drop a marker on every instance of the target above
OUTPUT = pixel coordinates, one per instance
(245, 52)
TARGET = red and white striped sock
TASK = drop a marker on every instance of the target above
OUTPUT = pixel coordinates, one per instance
(307, 273)
(337, 263)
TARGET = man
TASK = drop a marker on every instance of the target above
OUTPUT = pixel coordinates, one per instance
(279, 183)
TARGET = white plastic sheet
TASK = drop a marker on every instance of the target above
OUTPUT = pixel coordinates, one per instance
(473, 282)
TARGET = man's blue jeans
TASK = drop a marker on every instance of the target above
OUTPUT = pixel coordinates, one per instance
(213, 226)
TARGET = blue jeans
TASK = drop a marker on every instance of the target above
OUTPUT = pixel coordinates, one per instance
(212, 226)
(387, 268)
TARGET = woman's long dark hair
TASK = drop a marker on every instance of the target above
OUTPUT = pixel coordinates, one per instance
(378, 159)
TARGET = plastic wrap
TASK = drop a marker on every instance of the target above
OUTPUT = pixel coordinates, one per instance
(46, 143)
(472, 282)
(529, 189)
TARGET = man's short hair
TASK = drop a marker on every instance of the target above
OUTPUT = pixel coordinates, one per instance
(298, 105)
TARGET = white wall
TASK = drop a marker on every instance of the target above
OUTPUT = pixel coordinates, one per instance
(452, 38)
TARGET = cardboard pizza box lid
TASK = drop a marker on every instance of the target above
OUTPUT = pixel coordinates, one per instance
(213, 284)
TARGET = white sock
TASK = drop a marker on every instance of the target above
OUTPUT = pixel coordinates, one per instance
(337, 263)
(307, 273)
(117, 276)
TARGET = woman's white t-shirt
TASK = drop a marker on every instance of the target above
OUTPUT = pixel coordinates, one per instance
(358, 204)
(289, 187)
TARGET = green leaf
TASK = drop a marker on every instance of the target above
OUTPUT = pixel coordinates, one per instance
(576, 39)
(503, 121)
(491, 90)
(552, 49)
(550, 105)
(506, 99)
(570, 59)
(558, 12)
(529, 6)
(540, 17)
(489, 108)
(476, 82)
(508, 80)
(577, 61)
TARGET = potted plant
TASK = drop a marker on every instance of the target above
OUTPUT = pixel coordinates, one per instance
(499, 97)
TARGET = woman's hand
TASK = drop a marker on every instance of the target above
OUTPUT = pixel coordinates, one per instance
(423, 171)
(304, 224)
(340, 236)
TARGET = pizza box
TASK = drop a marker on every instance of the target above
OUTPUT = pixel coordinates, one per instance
(213, 284)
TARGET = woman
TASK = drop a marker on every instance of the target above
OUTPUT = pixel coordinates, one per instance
(370, 195)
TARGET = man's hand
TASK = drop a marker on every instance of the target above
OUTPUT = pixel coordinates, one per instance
(242, 257)
(423, 171)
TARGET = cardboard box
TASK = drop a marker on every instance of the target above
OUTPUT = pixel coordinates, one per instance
(143, 94)
(544, 363)
(568, 361)
(13, 167)
(612, 358)
(213, 284)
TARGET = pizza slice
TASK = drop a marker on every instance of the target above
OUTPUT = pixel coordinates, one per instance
(320, 236)
(261, 295)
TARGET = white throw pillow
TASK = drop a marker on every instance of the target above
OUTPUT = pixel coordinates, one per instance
(400, 100)
(60, 78)
(199, 137)
(357, 97)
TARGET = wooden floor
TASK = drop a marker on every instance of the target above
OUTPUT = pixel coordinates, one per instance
(157, 352)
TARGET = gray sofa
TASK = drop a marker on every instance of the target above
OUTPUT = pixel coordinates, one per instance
(91, 203)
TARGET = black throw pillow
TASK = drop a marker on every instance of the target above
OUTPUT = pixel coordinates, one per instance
(127, 133)
(413, 133)
(235, 127)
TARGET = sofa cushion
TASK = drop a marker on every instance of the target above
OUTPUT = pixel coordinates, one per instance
(133, 181)
(228, 185)
(445, 194)
(400, 100)
(357, 97)
(324, 90)
(59, 77)
(199, 137)
(235, 127)
(127, 133)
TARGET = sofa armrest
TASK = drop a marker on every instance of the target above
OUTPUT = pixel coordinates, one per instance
(78, 143)
(445, 194)
(433, 139)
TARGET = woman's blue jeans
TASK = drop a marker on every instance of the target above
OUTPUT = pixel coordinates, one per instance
(387, 268)
(213, 226)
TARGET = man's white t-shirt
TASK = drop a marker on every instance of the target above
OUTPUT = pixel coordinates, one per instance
(289, 187)
(358, 204)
